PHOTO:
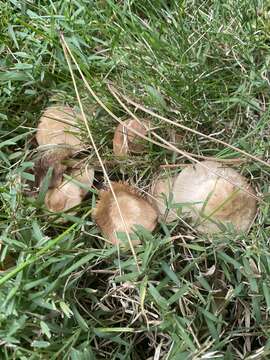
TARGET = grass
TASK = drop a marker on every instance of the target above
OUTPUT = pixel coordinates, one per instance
(65, 293)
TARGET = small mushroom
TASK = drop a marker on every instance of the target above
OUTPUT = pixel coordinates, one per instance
(69, 193)
(210, 199)
(58, 125)
(58, 136)
(125, 141)
(134, 209)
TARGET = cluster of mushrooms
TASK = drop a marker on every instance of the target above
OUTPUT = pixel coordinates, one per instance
(210, 194)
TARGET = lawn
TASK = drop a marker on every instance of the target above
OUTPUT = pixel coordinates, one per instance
(65, 293)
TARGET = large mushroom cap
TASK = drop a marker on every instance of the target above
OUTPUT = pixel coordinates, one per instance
(69, 193)
(125, 141)
(210, 199)
(58, 125)
(135, 211)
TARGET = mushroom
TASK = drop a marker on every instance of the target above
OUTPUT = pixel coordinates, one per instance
(210, 199)
(135, 210)
(58, 137)
(69, 193)
(58, 125)
(125, 141)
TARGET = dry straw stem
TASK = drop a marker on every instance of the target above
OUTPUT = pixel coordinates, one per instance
(124, 141)
(107, 109)
(152, 113)
(172, 147)
(66, 52)
(225, 161)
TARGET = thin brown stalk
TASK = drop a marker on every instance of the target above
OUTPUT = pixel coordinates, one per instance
(226, 161)
(173, 166)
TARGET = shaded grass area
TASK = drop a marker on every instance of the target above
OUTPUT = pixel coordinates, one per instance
(203, 64)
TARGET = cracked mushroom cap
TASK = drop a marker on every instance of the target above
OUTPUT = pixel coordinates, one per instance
(135, 211)
(209, 199)
(69, 194)
(125, 141)
(58, 125)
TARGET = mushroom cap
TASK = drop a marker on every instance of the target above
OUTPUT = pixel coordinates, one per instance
(162, 193)
(57, 126)
(125, 141)
(69, 194)
(134, 209)
(210, 199)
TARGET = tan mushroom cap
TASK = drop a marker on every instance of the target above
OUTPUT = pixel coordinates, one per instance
(125, 141)
(135, 211)
(210, 199)
(69, 193)
(58, 125)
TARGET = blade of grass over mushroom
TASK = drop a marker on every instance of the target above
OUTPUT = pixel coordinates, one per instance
(66, 51)
(44, 187)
